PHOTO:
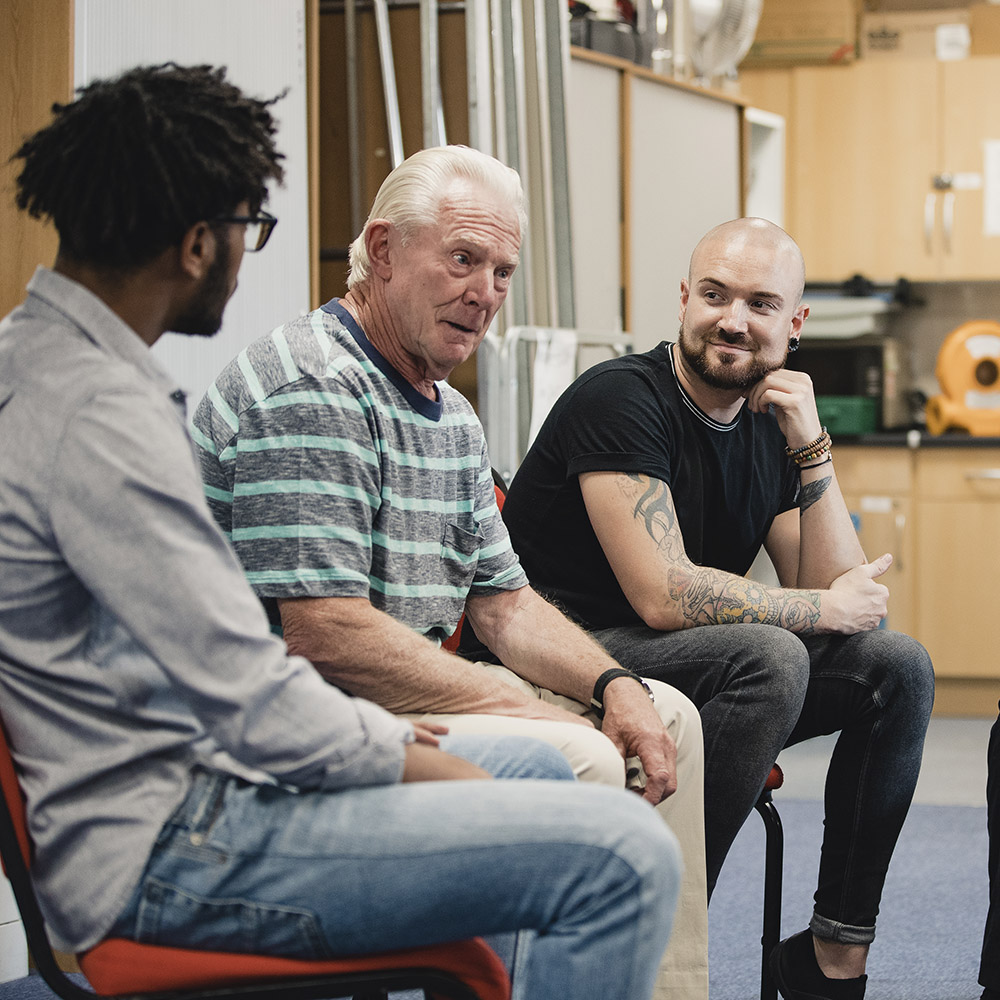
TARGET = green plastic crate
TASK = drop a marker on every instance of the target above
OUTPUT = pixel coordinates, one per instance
(848, 414)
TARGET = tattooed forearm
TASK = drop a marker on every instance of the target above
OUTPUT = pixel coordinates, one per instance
(703, 595)
(811, 492)
(711, 597)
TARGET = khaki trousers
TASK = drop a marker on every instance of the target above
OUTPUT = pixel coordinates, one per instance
(684, 971)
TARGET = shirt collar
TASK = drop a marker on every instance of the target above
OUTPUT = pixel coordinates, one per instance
(430, 408)
(82, 309)
(698, 412)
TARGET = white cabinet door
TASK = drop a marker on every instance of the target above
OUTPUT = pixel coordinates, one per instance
(593, 133)
(653, 165)
(682, 178)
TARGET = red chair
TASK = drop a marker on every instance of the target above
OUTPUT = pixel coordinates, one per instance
(455, 639)
(125, 970)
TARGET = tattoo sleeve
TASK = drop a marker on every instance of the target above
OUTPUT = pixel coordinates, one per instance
(705, 595)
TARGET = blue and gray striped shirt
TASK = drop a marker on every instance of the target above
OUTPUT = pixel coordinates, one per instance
(333, 477)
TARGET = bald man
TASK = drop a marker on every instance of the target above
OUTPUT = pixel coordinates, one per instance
(643, 502)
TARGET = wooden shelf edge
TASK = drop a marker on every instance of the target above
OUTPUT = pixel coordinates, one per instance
(627, 66)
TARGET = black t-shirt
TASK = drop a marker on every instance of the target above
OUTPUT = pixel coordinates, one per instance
(728, 481)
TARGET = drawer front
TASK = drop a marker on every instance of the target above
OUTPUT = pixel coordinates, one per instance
(963, 474)
(874, 470)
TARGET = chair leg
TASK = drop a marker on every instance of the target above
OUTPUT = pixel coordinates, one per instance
(774, 842)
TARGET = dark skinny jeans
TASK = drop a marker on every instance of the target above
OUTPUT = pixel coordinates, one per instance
(760, 688)
(989, 967)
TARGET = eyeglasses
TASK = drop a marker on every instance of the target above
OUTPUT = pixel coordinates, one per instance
(258, 228)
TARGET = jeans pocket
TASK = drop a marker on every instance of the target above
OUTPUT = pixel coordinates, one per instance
(175, 917)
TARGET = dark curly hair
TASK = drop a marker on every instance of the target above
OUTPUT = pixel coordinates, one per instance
(133, 162)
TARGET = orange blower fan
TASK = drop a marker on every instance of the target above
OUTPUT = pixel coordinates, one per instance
(968, 371)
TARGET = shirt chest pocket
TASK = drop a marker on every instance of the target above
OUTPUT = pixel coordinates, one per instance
(460, 551)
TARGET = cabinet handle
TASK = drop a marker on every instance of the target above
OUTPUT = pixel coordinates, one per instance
(948, 218)
(897, 555)
(992, 474)
(929, 203)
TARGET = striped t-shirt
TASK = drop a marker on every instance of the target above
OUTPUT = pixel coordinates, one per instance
(333, 477)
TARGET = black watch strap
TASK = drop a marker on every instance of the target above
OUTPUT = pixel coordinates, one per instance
(597, 698)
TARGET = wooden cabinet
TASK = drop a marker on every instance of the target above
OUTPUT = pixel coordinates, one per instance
(877, 484)
(863, 144)
(884, 160)
(937, 509)
(958, 560)
(970, 115)
(36, 51)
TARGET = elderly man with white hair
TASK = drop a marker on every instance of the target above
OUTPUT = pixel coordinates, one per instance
(356, 487)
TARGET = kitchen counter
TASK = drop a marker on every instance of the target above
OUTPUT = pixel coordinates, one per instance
(916, 439)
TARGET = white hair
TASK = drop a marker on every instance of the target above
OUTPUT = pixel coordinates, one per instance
(410, 197)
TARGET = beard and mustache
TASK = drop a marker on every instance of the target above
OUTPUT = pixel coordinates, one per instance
(728, 372)
(203, 315)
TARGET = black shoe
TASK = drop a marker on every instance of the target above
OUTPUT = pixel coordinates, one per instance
(797, 973)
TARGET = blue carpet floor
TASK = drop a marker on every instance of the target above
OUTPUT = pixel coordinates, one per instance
(929, 930)
(931, 922)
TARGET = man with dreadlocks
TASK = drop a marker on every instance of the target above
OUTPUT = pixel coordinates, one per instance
(188, 782)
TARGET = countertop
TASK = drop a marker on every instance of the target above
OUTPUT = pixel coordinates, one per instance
(916, 439)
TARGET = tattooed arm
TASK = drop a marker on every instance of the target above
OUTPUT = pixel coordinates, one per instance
(816, 543)
(636, 523)
(829, 544)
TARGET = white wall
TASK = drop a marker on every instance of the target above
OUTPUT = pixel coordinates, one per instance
(262, 43)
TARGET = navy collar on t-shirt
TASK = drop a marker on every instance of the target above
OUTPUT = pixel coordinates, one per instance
(429, 408)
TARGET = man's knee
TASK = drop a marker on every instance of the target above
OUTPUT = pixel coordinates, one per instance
(593, 757)
(774, 659)
(510, 756)
(650, 846)
(898, 667)
(679, 715)
(590, 754)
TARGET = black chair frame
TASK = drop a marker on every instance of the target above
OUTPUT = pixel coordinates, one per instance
(774, 848)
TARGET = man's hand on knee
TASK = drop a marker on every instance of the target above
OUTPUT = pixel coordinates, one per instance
(633, 725)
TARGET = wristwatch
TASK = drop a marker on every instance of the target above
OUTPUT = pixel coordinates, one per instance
(597, 698)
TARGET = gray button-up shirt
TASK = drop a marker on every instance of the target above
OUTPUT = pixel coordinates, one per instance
(131, 647)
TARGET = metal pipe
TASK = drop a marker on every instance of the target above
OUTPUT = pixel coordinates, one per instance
(552, 62)
(517, 146)
(429, 88)
(392, 118)
(353, 118)
(477, 60)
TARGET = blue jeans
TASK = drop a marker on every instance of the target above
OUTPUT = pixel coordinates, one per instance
(592, 872)
(759, 689)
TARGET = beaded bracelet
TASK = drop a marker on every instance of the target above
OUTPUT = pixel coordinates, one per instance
(823, 439)
(814, 449)
(811, 456)
(816, 465)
